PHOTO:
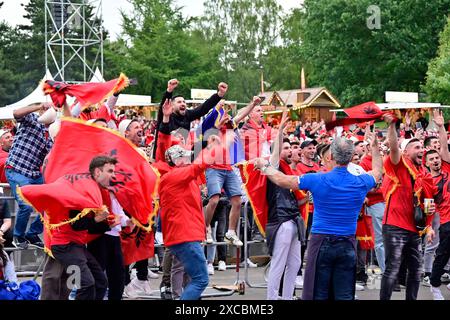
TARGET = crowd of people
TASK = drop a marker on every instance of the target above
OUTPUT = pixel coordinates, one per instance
(327, 197)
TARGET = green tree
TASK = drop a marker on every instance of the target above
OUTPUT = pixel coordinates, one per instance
(247, 30)
(358, 63)
(437, 86)
(158, 44)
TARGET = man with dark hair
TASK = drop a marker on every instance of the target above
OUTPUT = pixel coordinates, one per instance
(68, 242)
(432, 143)
(405, 184)
(285, 228)
(438, 162)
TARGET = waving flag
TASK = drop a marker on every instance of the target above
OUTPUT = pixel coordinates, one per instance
(361, 113)
(87, 94)
(136, 183)
(70, 192)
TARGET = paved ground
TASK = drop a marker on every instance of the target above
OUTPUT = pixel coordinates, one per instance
(256, 277)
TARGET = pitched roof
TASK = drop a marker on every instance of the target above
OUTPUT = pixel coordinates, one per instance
(313, 96)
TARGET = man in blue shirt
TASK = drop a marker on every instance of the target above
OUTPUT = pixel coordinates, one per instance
(338, 198)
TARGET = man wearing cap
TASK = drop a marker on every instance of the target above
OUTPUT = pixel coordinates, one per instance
(25, 158)
(405, 185)
(6, 140)
(307, 165)
(182, 217)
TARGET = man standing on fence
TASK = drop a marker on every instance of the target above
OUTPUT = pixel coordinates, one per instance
(26, 156)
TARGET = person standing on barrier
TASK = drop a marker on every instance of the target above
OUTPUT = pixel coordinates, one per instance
(26, 156)
(285, 227)
(338, 196)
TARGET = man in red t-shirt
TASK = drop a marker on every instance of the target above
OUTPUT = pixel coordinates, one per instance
(439, 166)
(404, 176)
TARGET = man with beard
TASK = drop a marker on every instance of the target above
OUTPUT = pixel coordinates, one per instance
(307, 165)
(405, 184)
(285, 227)
(439, 166)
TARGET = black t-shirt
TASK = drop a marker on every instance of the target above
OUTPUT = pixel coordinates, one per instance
(282, 203)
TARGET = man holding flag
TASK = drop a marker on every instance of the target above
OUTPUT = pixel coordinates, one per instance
(74, 207)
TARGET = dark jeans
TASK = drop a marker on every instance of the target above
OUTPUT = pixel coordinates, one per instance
(54, 281)
(398, 242)
(442, 255)
(167, 268)
(304, 247)
(92, 279)
(108, 252)
(335, 270)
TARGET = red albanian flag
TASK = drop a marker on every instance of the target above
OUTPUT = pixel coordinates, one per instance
(255, 185)
(137, 245)
(136, 183)
(361, 113)
(87, 94)
(56, 199)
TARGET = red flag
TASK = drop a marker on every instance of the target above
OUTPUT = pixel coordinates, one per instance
(255, 185)
(360, 113)
(364, 232)
(137, 245)
(87, 94)
(56, 199)
(136, 182)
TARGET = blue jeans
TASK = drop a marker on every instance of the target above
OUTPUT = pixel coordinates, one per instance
(228, 180)
(193, 259)
(335, 270)
(376, 211)
(16, 179)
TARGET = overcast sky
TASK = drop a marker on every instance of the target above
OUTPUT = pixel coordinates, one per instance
(12, 11)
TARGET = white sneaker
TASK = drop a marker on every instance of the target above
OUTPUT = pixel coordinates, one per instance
(445, 277)
(299, 282)
(209, 238)
(448, 286)
(210, 269)
(233, 239)
(359, 287)
(426, 281)
(437, 294)
(251, 264)
(141, 287)
(222, 266)
(130, 292)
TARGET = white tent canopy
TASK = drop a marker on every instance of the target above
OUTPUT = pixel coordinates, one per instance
(37, 96)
